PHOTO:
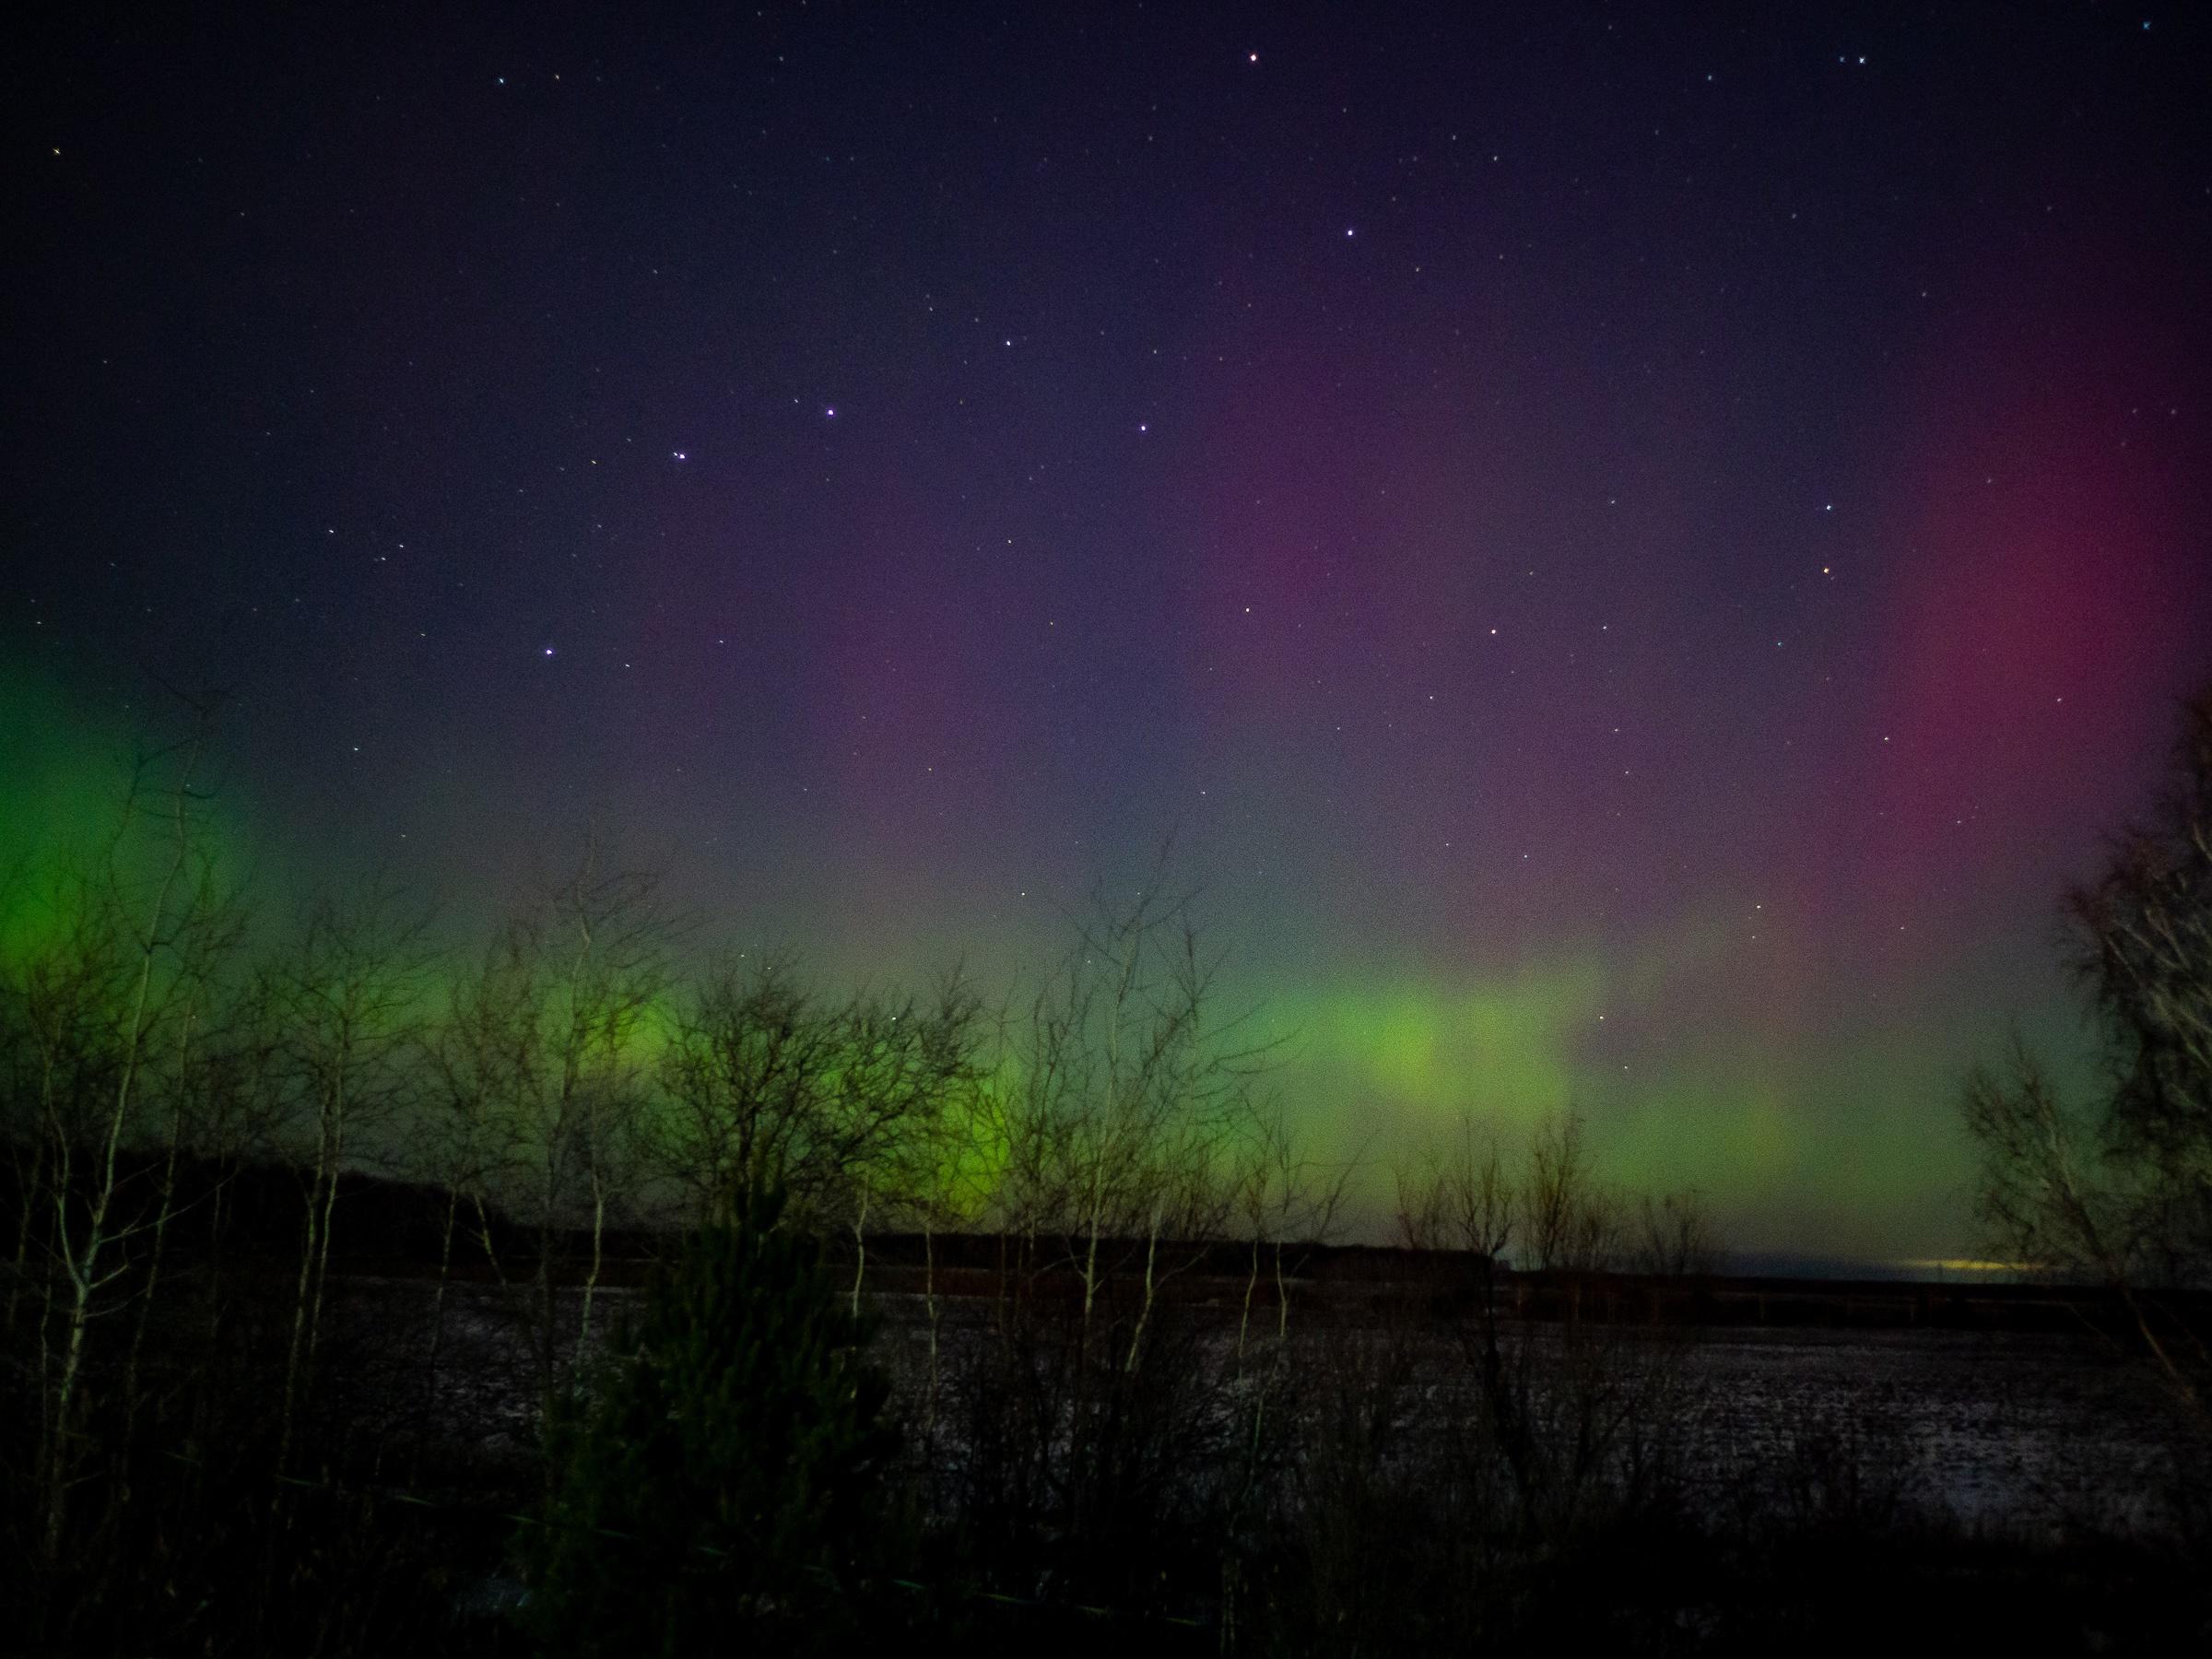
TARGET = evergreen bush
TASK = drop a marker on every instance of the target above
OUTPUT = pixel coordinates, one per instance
(724, 1477)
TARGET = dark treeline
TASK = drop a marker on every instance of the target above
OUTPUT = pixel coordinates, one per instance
(917, 1353)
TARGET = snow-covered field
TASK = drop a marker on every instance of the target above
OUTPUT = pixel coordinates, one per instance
(2009, 1428)
(1993, 1425)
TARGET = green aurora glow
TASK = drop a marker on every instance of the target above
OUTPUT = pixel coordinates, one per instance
(1838, 1142)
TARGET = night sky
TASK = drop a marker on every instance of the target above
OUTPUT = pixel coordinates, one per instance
(1634, 553)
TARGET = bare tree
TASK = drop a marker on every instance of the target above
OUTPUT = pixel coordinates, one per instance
(1118, 1097)
(1462, 1198)
(474, 1058)
(344, 998)
(1285, 1203)
(545, 1068)
(1104, 1156)
(1675, 1237)
(113, 1010)
(206, 1067)
(840, 1102)
(1575, 1412)
(2117, 1189)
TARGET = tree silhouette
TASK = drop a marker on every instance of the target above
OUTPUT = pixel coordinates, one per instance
(2120, 1189)
(725, 1478)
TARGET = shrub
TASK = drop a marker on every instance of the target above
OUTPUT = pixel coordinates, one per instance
(724, 1477)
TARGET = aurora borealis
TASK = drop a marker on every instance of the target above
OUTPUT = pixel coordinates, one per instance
(1634, 553)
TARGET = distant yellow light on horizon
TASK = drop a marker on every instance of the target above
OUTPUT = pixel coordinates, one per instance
(1966, 1264)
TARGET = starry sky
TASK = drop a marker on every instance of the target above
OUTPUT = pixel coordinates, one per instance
(1634, 550)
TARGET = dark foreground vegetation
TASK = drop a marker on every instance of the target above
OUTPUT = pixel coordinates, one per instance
(1011, 1328)
(1384, 1457)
